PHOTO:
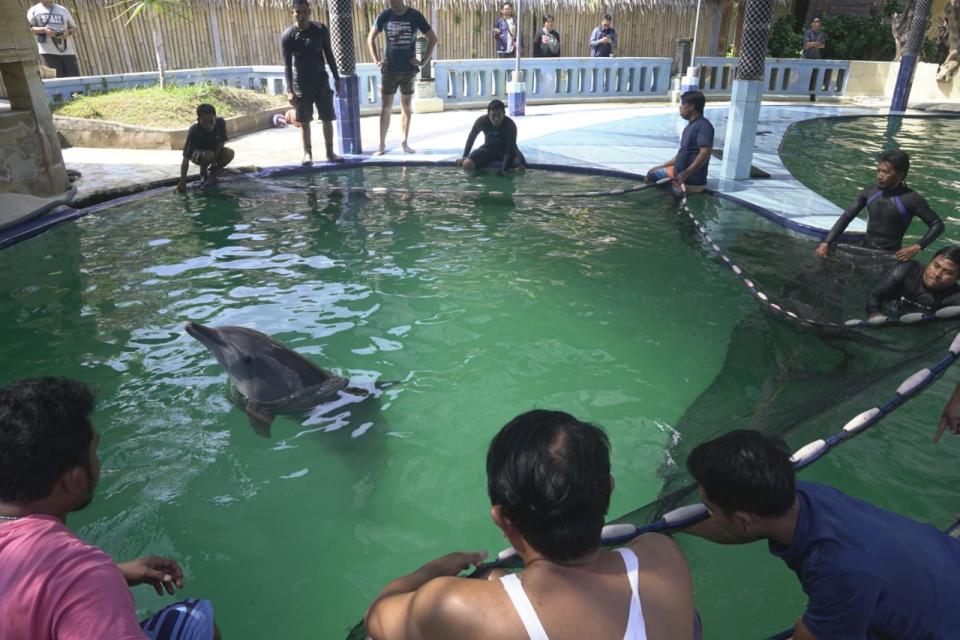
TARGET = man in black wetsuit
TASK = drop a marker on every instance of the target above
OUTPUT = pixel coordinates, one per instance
(499, 142)
(914, 287)
(891, 206)
(304, 46)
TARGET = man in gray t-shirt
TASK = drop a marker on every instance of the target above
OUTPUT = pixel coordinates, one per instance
(54, 28)
(814, 41)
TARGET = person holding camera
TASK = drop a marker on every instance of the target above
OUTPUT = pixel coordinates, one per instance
(54, 28)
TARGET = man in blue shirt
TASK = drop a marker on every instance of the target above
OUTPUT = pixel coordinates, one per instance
(399, 65)
(603, 40)
(505, 31)
(689, 166)
(868, 573)
(814, 41)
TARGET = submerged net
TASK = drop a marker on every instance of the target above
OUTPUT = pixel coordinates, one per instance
(807, 373)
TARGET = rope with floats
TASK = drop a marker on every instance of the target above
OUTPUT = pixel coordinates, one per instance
(621, 533)
(946, 313)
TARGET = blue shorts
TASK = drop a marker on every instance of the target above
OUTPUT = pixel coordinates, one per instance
(191, 619)
(655, 175)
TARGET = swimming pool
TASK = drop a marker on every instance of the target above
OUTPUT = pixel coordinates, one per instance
(610, 309)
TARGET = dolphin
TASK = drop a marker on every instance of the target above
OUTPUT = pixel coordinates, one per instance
(270, 378)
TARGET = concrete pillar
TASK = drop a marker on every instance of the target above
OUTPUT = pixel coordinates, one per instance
(908, 64)
(747, 92)
(348, 102)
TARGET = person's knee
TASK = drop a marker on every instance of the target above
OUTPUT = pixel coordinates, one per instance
(206, 158)
(469, 164)
(227, 155)
(406, 104)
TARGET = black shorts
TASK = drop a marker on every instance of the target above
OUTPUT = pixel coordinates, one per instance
(321, 96)
(65, 66)
(484, 157)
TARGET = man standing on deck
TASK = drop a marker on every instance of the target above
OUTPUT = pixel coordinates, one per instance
(867, 572)
(603, 40)
(399, 65)
(689, 166)
(814, 41)
(54, 28)
(304, 46)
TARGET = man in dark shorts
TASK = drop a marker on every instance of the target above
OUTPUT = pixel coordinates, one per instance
(814, 41)
(55, 29)
(304, 46)
(499, 142)
(891, 206)
(399, 65)
(204, 147)
(689, 166)
(53, 585)
(867, 572)
(913, 287)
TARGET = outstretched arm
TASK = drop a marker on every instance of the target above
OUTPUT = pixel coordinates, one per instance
(842, 222)
(471, 138)
(889, 288)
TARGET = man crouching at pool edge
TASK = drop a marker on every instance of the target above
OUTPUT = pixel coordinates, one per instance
(549, 482)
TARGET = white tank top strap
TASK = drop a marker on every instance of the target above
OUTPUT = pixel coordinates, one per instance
(636, 630)
(531, 622)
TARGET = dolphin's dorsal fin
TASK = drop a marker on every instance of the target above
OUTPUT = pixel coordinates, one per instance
(260, 419)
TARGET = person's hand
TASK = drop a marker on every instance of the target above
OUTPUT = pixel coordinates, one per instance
(381, 64)
(292, 98)
(49, 31)
(459, 161)
(821, 250)
(950, 418)
(908, 252)
(453, 563)
(496, 31)
(161, 573)
(415, 62)
(182, 185)
(679, 179)
(336, 87)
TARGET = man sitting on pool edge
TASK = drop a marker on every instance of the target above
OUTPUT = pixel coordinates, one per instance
(499, 142)
(913, 287)
(54, 586)
(688, 168)
(548, 477)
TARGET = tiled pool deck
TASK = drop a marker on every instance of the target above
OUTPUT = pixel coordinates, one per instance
(624, 137)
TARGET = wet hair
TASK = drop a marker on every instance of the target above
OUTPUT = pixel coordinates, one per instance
(45, 430)
(496, 105)
(547, 18)
(899, 160)
(745, 470)
(951, 253)
(607, 17)
(550, 475)
(206, 108)
(694, 98)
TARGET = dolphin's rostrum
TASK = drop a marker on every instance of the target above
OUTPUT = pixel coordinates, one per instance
(270, 378)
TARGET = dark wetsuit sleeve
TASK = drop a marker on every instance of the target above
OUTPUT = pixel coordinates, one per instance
(934, 223)
(188, 144)
(846, 217)
(222, 131)
(285, 44)
(473, 136)
(328, 54)
(889, 288)
(510, 140)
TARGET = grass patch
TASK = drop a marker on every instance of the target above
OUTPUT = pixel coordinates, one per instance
(171, 108)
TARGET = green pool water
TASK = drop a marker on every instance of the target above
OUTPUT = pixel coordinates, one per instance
(610, 309)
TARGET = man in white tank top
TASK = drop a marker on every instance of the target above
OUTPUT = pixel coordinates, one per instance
(548, 477)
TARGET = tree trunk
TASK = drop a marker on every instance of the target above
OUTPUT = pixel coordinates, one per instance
(948, 68)
(158, 48)
(900, 24)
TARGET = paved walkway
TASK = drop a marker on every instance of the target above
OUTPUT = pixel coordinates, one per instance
(626, 137)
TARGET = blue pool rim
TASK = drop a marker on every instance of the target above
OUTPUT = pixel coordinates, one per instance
(40, 224)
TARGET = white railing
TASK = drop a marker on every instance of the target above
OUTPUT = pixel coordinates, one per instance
(782, 77)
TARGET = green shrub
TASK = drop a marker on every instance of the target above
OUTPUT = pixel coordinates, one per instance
(858, 38)
(784, 40)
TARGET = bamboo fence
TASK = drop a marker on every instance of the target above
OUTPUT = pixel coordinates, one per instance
(211, 33)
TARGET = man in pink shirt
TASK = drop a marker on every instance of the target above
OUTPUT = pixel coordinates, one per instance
(53, 585)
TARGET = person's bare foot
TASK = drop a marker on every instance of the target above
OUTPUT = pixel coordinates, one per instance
(307, 158)
(380, 151)
(407, 148)
(332, 157)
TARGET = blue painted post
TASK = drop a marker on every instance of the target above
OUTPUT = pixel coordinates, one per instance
(517, 88)
(747, 92)
(347, 103)
(908, 63)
